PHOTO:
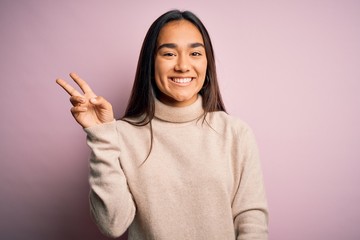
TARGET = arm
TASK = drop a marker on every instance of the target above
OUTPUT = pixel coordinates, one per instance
(111, 203)
(250, 206)
(110, 200)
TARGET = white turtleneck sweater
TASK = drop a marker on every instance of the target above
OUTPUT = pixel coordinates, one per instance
(202, 180)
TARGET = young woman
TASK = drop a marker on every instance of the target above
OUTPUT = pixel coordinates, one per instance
(176, 166)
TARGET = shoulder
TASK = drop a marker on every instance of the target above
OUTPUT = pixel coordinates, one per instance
(233, 130)
(224, 122)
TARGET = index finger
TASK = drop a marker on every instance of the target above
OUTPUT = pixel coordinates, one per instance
(67, 87)
(82, 84)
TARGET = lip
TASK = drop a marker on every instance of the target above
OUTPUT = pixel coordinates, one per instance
(182, 81)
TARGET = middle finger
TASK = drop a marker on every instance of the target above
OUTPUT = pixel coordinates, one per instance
(67, 87)
(82, 84)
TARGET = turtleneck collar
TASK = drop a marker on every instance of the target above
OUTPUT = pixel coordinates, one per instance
(179, 114)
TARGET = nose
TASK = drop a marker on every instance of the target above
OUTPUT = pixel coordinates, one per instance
(182, 64)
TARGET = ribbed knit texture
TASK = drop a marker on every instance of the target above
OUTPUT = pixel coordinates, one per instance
(202, 179)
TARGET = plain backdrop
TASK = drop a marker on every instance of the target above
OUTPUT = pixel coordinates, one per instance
(290, 68)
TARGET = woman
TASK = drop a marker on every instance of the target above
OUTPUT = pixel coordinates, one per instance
(176, 166)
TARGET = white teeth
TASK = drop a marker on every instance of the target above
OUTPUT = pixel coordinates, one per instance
(182, 80)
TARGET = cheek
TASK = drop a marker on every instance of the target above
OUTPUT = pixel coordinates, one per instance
(158, 82)
(161, 67)
(157, 74)
(202, 68)
(156, 68)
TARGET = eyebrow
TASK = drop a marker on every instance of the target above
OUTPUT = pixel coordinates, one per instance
(173, 45)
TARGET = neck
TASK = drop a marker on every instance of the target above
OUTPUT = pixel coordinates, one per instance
(179, 114)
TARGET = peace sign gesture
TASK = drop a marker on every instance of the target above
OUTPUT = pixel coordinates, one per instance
(88, 109)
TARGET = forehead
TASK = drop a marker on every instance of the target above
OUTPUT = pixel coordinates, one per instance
(180, 31)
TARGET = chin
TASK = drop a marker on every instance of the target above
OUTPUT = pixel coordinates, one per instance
(185, 99)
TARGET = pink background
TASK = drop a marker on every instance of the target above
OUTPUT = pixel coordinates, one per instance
(288, 68)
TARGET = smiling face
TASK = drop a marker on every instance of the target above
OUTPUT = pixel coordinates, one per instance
(180, 63)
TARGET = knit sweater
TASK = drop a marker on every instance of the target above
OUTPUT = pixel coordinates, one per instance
(202, 179)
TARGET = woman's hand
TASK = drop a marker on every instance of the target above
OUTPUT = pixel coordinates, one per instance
(88, 109)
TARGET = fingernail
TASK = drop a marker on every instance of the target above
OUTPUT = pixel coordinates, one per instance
(93, 100)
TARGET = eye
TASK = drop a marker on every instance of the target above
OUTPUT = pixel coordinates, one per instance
(168, 54)
(196, 54)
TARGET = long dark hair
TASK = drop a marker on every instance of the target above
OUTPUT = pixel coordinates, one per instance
(141, 106)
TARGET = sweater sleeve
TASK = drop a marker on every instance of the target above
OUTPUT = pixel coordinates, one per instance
(250, 206)
(111, 203)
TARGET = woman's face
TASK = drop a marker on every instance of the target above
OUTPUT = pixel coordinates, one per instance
(180, 63)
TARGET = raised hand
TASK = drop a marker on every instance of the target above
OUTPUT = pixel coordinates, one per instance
(88, 109)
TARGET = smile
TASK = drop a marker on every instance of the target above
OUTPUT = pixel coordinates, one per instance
(181, 80)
